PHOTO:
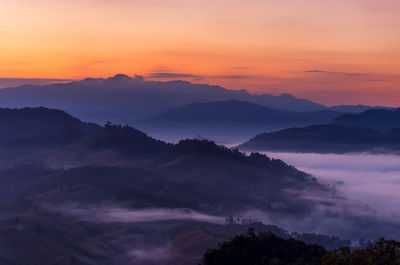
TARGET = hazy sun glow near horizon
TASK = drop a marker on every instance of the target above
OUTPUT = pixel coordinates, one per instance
(333, 52)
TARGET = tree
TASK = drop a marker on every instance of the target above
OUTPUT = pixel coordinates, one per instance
(268, 249)
(264, 249)
(382, 252)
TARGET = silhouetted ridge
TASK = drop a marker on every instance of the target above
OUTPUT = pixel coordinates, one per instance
(127, 140)
(356, 108)
(239, 111)
(202, 147)
(124, 98)
(41, 123)
(45, 126)
(380, 119)
(120, 77)
(324, 133)
(30, 130)
(326, 138)
(209, 148)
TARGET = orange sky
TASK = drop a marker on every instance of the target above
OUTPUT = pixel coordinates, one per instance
(333, 52)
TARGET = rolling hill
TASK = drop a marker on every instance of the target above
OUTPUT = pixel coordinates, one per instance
(225, 112)
(325, 139)
(152, 197)
(379, 119)
(29, 130)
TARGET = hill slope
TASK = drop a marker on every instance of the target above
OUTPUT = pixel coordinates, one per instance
(105, 214)
(29, 130)
(325, 139)
(113, 146)
(355, 109)
(239, 111)
(381, 119)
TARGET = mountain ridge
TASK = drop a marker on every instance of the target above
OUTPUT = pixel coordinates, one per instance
(378, 119)
(325, 138)
(238, 111)
(122, 98)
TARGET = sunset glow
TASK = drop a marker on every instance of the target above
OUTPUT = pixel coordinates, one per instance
(333, 52)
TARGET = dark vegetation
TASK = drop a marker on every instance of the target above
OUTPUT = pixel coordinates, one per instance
(51, 194)
(42, 125)
(31, 130)
(269, 249)
(127, 140)
(264, 248)
(119, 166)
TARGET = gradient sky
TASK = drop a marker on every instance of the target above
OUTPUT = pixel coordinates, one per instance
(333, 52)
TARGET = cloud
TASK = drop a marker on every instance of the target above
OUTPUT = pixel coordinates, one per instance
(152, 255)
(335, 73)
(375, 80)
(373, 179)
(233, 76)
(318, 71)
(114, 214)
(170, 75)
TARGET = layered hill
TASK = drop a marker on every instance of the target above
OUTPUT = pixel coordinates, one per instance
(149, 196)
(118, 196)
(29, 130)
(113, 145)
(325, 139)
(379, 119)
(355, 109)
(234, 111)
(123, 99)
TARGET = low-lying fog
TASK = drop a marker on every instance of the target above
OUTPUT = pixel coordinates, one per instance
(367, 178)
(111, 214)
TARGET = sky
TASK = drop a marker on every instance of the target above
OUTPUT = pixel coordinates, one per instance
(332, 52)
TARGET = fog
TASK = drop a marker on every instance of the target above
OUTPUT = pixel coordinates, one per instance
(111, 214)
(151, 255)
(366, 203)
(372, 179)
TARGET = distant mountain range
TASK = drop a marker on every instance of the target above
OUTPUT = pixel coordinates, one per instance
(357, 108)
(376, 130)
(123, 99)
(379, 119)
(326, 139)
(225, 112)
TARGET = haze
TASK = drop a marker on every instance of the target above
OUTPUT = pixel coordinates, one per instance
(363, 178)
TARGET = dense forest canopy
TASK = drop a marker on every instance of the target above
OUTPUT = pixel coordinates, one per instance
(269, 249)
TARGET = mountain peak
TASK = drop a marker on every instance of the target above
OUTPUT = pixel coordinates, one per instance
(120, 77)
(126, 78)
(286, 95)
